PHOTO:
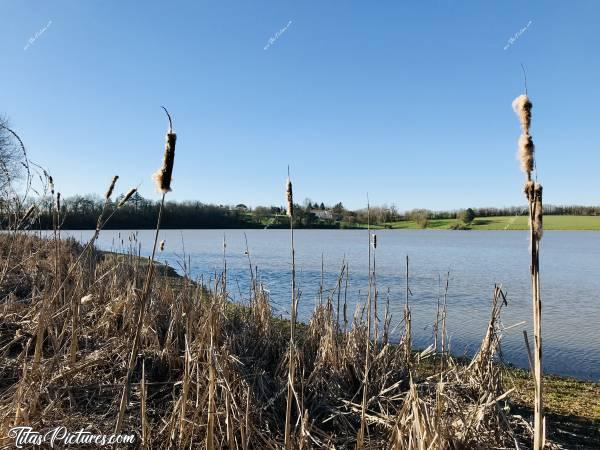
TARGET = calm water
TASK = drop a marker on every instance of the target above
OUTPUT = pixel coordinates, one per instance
(476, 260)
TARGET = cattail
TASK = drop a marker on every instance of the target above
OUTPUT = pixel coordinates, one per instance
(522, 106)
(538, 217)
(58, 201)
(127, 197)
(28, 213)
(51, 184)
(163, 176)
(111, 188)
(526, 153)
(529, 190)
(290, 198)
(162, 245)
(163, 181)
(533, 192)
(374, 241)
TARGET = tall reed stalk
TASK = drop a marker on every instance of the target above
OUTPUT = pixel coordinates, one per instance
(407, 322)
(533, 192)
(163, 182)
(294, 304)
(361, 433)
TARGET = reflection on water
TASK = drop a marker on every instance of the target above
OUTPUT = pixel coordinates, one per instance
(476, 260)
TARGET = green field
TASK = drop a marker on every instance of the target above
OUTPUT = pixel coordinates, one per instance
(505, 223)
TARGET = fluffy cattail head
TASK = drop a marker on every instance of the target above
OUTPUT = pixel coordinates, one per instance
(526, 153)
(162, 245)
(522, 106)
(127, 197)
(111, 188)
(290, 198)
(538, 216)
(28, 213)
(529, 190)
(51, 184)
(163, 176)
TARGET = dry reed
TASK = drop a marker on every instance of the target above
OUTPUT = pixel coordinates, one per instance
(163, 176)
(533, 192)
(127, 196)
(291, 393)
(111, 188)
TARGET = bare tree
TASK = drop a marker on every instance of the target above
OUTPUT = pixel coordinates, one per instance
(10, 157)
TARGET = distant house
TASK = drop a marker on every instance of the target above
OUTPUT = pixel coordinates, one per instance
(322, 214)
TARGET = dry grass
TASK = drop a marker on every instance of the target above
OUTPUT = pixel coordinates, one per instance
(205, 360)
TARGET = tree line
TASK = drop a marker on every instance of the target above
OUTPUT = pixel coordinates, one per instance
(82, 212)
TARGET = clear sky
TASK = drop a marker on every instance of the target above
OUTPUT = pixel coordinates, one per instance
(407, 100)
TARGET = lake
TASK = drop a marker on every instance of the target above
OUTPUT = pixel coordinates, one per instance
(476, 260)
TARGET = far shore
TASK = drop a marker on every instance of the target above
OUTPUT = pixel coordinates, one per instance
(498, 223)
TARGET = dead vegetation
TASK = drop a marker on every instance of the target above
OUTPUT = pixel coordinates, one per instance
(212, 374)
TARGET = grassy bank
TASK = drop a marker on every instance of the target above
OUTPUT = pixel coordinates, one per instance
(501, 223)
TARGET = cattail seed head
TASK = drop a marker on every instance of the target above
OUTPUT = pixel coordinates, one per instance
(111, 188)
(522, 106)
(162, 245)
(58, 202)
(28, 213)
(127, 197)
(290, 198)
(374, 241)
(538, 216)
(529, 190)
(51, 184)
(163, 176)
(526, 153)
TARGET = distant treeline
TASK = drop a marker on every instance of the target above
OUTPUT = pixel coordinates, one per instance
(82, 212)
(551, 210)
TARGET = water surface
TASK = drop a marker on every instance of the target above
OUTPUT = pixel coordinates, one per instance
(476, 260)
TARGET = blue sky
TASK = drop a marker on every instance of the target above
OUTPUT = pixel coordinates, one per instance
(409, 101)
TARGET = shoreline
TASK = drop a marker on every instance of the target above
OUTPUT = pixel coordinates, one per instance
(373, 227)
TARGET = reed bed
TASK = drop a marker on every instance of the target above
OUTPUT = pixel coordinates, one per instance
(209, 373)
